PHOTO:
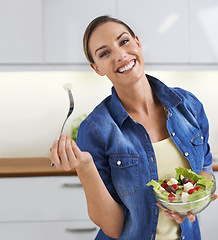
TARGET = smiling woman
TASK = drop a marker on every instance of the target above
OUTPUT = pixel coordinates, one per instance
(114, 156)
(94, 24)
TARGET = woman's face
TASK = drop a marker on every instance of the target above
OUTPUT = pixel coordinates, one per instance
(116, 54)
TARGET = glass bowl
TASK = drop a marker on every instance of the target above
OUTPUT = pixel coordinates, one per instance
(202, 200)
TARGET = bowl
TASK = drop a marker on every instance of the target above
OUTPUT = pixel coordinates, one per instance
(199, 203)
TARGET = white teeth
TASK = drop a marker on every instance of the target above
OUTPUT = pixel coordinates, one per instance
(127, 67)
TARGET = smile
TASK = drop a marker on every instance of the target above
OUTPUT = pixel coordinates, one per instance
(127, 67)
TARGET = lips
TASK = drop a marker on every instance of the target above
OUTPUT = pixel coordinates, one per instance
(126, 67)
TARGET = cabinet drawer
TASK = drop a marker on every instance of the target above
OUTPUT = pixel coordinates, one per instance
(42, 198)
(82, 230)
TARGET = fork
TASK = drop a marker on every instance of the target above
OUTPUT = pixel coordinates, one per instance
(67, 87)
(70, 109)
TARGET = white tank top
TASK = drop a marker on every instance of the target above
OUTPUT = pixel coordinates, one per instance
(168, 158)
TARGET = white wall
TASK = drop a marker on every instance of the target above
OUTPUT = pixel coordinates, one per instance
(33, 105)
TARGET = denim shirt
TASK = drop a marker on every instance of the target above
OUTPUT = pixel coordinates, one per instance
(124, 156)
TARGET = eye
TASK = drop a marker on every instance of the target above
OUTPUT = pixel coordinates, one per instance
(123, 42)
(103, 54)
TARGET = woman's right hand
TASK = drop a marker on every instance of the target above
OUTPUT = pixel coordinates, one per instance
(66, 155)
(106, 214)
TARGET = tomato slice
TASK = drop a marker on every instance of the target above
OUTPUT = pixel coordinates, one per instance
(191, 182)
(197, 188)
(171, 197)
(192, 190)
(164, 185)
(175, 186)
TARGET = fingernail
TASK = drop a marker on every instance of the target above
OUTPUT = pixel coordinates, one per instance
(166, 213)
(50, 149)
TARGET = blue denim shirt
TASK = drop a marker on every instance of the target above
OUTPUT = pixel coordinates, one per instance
(123, 154)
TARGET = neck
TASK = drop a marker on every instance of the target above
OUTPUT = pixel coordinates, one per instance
(137, 97)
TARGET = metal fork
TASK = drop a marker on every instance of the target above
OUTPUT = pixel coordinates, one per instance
(71, 108)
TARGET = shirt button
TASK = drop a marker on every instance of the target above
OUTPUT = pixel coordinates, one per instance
(183, 237)
(118, 162)
(173, 134)
(202, 137)
(186, 154)
(170, 114)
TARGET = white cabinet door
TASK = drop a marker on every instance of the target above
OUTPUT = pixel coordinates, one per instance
(42, 199)
(81, 230)
(204, 31)
(162, 27)
(208, 219)
(65, 23)
(21, 31)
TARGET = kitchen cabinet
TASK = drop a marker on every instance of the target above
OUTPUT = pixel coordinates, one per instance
(203, 31)
(65, 23)
(21, 26)
(47, 230)
(208, 219)
(47, 34)
(44, 208)
(162, 27)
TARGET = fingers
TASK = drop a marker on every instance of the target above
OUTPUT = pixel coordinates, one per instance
(76, 150)
(168, 214)
(66, 153)
(215, 196)
(54, 154)
(61, 153)
(177, 217)
(191, 217)
(160, 206)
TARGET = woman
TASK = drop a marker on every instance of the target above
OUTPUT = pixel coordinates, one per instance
(141, 132)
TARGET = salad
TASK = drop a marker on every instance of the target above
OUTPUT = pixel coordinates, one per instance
(186, 189)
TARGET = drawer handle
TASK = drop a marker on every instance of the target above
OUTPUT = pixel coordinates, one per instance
(82, 230)
(71, 185)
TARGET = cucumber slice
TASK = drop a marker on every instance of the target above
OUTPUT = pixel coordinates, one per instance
(181, 177)
(179, 191)
(200, 185)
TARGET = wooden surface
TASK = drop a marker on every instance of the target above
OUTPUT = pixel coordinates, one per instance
(215, 167)
(28, 167)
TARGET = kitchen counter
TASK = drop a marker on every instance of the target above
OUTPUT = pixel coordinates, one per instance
(29, 167)
(215, 166)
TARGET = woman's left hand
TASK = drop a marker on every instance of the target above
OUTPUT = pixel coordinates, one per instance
(177, 217)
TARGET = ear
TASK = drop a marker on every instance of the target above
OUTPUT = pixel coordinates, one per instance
(95, 67)
(138, 42)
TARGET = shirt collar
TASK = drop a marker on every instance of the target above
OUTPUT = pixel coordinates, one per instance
(165, 94)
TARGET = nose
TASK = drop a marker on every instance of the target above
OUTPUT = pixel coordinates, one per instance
(119, 54)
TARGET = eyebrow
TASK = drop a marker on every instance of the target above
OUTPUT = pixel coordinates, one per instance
(104, 46)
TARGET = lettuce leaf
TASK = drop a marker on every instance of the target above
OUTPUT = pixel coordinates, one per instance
(188, 173)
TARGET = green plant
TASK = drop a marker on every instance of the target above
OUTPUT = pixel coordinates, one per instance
(75, 126)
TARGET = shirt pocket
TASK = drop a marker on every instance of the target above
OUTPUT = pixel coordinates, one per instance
(124, 173)
(198, 143)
